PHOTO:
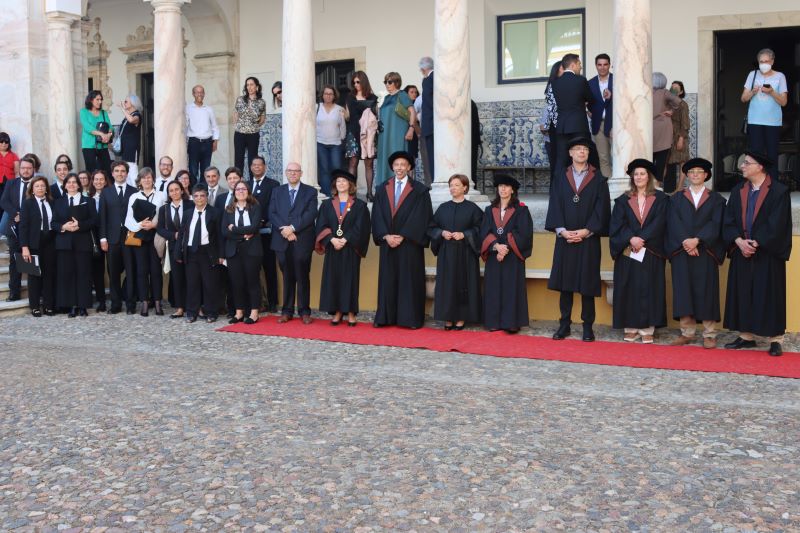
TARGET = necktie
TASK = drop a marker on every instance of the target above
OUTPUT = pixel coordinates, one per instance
(121, 195)
(211, 196)
(24, 190)
(176, 218)
(45, 220)
(292, 193)
(71, 201)
(196, 237)
(257, 187)
(161, 189)
(240, 222)
(398, 190)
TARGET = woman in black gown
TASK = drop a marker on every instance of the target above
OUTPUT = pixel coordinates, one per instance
(506, 241)
(454, 240)
(343, 232)
(636, 239)
(36, 237)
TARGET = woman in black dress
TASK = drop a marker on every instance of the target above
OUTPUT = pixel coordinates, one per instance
(130, 134)
(343, 232)
(36, 237)
(74, 216)
(454, 240)
(240, 224)
(506, 241)
(359, 100)
(98, 183)
(170, 217)
(636, 239)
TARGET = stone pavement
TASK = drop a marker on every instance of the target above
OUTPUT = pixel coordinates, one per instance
(149, 424)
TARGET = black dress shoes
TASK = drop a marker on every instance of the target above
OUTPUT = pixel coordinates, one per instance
(49, 312)
(740, 343)
(114, 310)
(145, 309)
(72, 312)
(159, 310)
(36, 312)
(775, 349)
(588, 335)
(562, 333)
(191, 318)
(82, 311)
(13, 298)
(130, 310)
(101, 308)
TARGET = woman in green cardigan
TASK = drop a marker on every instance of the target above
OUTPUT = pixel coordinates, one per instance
(94, 143)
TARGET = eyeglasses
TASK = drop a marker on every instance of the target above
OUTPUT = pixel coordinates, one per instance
(277, 93)
(748, 163)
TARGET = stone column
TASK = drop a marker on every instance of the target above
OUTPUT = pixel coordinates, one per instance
(169, 75)
(633, 94)
(217, 73)
(299, 95)
(63, 134)
(452, 130)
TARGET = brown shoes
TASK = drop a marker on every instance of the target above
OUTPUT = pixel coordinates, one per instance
(682, 340)
(709, 343)
(284, 319)
(307, 319)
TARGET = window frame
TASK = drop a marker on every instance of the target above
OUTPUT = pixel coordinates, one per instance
(540, 17)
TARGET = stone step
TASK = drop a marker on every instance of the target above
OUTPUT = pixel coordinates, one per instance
(20, 307)
(4, 258)
(4, 291)
(4, 274)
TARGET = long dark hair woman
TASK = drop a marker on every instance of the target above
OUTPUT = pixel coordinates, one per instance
(170, 218)
(97, 133)
(240, 224)
(454, 241)
(74, 216)
(506, 241)
(98, 183)
(359, 100)
(250, 114)
(37, 238)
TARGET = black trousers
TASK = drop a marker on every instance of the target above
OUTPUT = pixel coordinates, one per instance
(587, 309)
(199, 152)
(177, 281)
(431, 162)
(120, 259)
(97, 158)
(225, 293)
(268, 264)
(201, 274)
(243, 273)
(660, 162)
(99, 277)
(242, 142)
(295, 268)
(765, 139)
(148, 272)
(41, 289)
(14, 277)
(74, 278)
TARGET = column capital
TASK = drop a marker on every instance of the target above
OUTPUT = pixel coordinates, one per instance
(56, 18)
(167, 5)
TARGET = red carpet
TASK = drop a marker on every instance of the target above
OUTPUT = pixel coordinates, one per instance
(501, 344)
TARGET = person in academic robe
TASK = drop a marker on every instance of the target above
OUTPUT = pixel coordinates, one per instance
(112, 232)
(343, 232)
(199, 240)
(696, 250)
(142, 220)
(757, 229)
(241, 221)
(98, 182)
(454, 241)
(636, 239)
(401, 215)
(170, 219)
(37, 238)
(74, 216)
(506, 242)
(578, 213)
(292, 213)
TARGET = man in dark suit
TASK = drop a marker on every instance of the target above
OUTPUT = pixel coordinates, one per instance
(262, 188)
(292, 212)
(199, 240)
(602, 89)
(11, 203)
(426, 121)
(57, 189)
(112, 232)
(572, 95)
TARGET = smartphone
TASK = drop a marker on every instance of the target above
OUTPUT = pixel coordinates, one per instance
(767, 85)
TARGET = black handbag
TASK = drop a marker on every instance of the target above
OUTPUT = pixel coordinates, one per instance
(103, 126)
(744, 121)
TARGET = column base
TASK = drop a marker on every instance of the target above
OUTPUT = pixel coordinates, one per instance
(617, 186)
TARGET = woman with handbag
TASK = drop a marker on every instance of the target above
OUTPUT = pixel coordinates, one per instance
(36, 237)
(170, 217)
(141, 221)
(96, 133)
(396, 129)
(126, 144)
(74, 216)
(98, 183)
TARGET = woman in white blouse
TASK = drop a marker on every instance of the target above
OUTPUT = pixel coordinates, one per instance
(331, 130)
(148, 265)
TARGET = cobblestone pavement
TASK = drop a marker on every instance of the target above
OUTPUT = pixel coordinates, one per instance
(144, 424)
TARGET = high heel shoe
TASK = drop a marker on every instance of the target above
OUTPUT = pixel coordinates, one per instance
(145, 309)
(159, 310)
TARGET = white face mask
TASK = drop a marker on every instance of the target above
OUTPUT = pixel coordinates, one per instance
(764, 67)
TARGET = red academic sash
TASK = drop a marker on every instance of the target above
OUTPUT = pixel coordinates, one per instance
(390, 185)
(761, 196)
(318, 246)
(500, 225)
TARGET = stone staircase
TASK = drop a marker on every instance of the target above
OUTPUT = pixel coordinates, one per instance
(20, 307)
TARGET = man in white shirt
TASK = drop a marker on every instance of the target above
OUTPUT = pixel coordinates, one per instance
(202, 133)
(165, 165)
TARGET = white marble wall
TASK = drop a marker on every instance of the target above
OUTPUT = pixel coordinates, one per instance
(217, 74)
(62, 131)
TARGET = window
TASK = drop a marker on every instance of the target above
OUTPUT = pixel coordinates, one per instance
(530, 43)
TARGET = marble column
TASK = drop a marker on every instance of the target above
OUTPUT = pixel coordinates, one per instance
(169, 85)
(452, 130)
(299, 95)
(63, 134)
(633, 94)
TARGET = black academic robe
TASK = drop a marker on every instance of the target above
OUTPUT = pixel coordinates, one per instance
(458, 273)
(756, 295)
(576, 267)
(639, 287)
(505, 295)
(341, 269)
(695, 280)
(401, 274)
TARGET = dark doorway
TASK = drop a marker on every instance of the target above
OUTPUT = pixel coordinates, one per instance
(735, 59)
(336, 73)
(148, 144)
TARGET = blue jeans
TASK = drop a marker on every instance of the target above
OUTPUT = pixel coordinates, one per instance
(329, 158)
